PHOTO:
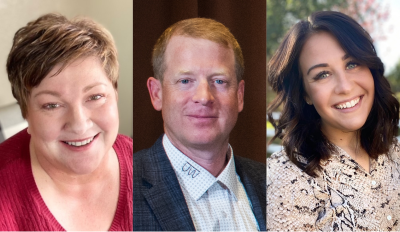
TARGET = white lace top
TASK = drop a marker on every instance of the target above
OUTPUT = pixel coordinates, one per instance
(343, 197)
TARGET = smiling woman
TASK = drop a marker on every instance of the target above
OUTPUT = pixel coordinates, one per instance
(69, 170)
(340, 166)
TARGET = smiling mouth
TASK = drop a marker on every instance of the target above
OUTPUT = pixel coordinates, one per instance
(349, 104)
(202, 116)
(81, 143)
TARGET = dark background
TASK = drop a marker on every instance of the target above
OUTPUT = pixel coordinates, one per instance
(246, 19)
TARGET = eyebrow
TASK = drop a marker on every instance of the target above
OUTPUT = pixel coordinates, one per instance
(325, 64)
(57, 94)
(89, 87)
(218, 73)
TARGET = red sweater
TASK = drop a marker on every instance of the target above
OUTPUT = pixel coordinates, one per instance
(21, 205)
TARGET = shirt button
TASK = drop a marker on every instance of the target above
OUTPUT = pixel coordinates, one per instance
(389, 217)
(373, 182)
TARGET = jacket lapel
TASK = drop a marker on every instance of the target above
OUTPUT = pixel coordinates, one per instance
(255, 191)
(163, 193)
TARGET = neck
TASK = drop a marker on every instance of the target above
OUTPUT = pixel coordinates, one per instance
(348, 141)
(212, 157)
(69, 182)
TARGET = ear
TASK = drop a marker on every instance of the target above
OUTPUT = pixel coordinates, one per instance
(240, 95)
(116, 94)
(155, 90)
(28, 128)
(308, 100)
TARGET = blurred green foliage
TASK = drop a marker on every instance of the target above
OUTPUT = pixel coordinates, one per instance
(394, 80)
(282, 14)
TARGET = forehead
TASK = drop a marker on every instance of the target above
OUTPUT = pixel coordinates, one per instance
(321, 47)
(76, 74)
(184, 49)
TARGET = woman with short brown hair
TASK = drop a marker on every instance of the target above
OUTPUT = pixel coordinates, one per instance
(69, 170)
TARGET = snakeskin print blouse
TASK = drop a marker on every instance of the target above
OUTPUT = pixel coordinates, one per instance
(343, 196)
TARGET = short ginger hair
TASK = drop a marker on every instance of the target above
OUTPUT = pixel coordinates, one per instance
(50, 40)
(199, 28)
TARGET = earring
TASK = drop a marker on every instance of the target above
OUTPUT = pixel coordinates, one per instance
(309, 103)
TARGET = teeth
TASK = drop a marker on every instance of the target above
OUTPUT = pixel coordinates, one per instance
(349, 104)
(81, 143)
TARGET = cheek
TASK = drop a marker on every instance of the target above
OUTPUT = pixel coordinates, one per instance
(174, 99)
(320, 98)
(43, 127)
(106, 117)
(229, 102)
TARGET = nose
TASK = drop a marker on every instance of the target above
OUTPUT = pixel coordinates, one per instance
(203, 93)
(78, 121)
(344, 83)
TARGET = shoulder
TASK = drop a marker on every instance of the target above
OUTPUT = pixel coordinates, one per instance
(123, 146)
(152, 160)
(248, 163)
(394, 152)
(123, 143)
(14, 148)
(150, 152)
(281, 171)
(291, 202)
(247, 168)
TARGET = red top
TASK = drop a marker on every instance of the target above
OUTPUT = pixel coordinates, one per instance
(21, 205)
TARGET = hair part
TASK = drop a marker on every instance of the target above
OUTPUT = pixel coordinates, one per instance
(199, 28)
(50, 40)
(299, 126)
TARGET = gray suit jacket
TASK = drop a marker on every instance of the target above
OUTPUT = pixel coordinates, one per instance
(158, 201)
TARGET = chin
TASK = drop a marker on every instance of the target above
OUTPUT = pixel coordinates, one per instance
(202, 139)
(352, 127)
(84, 166)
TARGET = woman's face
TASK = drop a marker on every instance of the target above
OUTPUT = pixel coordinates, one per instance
(339, 87)
(73, 117)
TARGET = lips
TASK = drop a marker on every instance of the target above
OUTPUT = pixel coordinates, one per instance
(202, 116)
(349, 103)
(80, 143)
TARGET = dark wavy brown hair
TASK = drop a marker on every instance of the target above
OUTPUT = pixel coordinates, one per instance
(299, 126)
(53, 39)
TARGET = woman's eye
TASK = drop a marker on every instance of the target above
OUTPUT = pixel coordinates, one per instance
(184, 81)
(51, 106)
(351, 65)
(220, 82)
(95, 97)
(322, 75)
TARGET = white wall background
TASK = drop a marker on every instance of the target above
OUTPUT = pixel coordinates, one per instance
(116, 16)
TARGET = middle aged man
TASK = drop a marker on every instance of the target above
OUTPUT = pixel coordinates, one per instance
(190, 179)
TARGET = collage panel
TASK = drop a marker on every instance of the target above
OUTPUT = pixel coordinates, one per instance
(66, 115)
(200, 142)
(333, 115)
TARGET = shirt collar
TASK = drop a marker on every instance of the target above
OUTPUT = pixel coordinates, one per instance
(194, 178)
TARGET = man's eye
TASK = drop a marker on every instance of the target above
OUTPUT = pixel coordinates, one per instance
(185, 81)
(50, 106)
(95, 97)
(219, 82)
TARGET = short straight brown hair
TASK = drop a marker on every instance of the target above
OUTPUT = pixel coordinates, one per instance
(50, 40)
(201, 28)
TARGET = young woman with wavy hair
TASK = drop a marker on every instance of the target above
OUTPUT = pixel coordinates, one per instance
(339, 169)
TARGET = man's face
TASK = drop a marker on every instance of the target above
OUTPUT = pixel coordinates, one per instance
(200, 95)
